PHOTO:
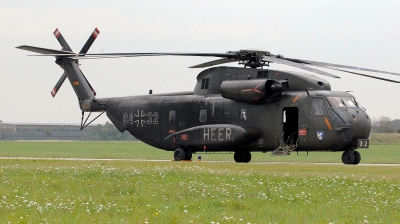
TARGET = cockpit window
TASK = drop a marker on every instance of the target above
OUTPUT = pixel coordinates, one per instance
(350, 102)
(336, 102)
(319, 106)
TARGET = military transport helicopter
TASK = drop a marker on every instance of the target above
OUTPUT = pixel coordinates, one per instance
(231, 109)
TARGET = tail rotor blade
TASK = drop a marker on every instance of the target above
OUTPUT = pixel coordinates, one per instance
(61, 40)
(58, 85)
(65, 47)
(85, 49)
(90, 41)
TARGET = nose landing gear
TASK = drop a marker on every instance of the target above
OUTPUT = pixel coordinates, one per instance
(351, 157)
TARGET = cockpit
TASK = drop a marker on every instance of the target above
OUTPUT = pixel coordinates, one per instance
(337, 102)
(341, 113)
(324, 102)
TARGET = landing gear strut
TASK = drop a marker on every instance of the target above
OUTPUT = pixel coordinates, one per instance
(242, 156)
(351, 157)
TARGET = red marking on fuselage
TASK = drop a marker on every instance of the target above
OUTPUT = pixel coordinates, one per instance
(297, 97)
(303, 131)
(254, 89)
(184, 137)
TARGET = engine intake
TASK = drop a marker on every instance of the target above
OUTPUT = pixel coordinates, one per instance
(253, 91)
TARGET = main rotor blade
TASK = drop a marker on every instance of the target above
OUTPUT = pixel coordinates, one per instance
(297, 65)
(222, 55)
(62, 41)
(215, 62)
(58, 85)
(45, 51)
(327, 65)
(90, 41)
(369, 76)
(59, 53)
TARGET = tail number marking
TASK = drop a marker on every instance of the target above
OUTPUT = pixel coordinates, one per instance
(140, 118)
(152, 118)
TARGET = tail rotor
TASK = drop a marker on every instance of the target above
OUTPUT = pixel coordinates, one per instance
(66, 47)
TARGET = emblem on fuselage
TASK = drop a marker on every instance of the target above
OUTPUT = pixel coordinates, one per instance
(320, 135)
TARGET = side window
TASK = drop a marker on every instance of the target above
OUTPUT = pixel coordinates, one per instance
(243, 115)
(206, 86)
(203, 115)
(319, 106)
(172, 116)
(204, 83)
(262, 74)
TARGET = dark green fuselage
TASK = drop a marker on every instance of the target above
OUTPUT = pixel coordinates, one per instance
(202, 117)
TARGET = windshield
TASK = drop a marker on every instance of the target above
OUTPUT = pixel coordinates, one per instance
(336, 102)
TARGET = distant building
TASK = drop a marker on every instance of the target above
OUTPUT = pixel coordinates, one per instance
(10, 131)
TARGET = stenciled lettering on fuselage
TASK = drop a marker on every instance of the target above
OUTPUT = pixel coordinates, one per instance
(140, 118)
(217, 134)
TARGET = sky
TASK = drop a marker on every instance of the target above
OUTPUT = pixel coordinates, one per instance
(358, 33)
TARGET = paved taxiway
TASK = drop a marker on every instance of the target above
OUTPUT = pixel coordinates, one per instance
(161, 160)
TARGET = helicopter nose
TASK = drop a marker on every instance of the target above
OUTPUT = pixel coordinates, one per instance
(350, 124)
(361, 123)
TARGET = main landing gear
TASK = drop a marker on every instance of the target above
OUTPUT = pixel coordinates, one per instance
(242, 156)
(351, 157)
(182, 154)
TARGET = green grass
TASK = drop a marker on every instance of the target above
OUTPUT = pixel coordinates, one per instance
(169, 192)
(385, 139)
(123, 191)
(139, 150)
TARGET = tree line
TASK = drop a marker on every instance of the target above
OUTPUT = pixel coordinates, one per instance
(385, 124)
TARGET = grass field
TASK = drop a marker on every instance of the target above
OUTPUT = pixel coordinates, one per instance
(138, 150)
(58, 191)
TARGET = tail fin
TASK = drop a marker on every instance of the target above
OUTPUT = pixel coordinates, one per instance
(70, 66)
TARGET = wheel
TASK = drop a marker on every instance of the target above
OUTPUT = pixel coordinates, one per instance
(348, 157)
(188, 153)
(239, 157)
(179, 154)
(247, 157)
(357, 157)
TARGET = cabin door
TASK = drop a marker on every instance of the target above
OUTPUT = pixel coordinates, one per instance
(290, 125)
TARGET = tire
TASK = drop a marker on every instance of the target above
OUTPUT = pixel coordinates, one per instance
(179, 154)
(188, 153)
(247, 157)
(239, 157)
(357, 157)
(348, 157)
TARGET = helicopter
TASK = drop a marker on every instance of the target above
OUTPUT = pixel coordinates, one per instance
(231, 109)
